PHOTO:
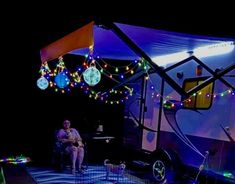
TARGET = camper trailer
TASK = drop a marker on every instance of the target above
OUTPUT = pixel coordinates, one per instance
(198, 131)
(180, 111)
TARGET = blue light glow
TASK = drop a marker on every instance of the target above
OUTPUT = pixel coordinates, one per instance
(62, 80)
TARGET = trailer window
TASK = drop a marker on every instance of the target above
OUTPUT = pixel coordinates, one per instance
(200, 100)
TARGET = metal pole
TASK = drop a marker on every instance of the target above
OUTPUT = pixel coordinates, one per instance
(141, 100)
(160, 114)
(144, 102)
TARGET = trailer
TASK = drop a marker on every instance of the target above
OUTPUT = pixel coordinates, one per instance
(180, 111)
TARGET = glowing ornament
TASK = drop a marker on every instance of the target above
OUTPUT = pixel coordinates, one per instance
(76, 77)
(42, 83)
(92, 76)
(62, 80)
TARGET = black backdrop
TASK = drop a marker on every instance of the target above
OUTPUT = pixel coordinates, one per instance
(29, 116)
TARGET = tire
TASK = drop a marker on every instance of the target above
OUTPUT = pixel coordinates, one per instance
(165, 166)
(159, 171)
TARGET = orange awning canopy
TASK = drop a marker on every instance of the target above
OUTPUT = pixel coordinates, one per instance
(81, 38)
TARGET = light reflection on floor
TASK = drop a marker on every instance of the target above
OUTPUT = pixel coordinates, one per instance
(92, 175)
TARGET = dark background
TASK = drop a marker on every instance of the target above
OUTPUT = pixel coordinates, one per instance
(30, 116)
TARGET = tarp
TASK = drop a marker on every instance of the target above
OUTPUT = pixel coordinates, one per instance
(81, 38)
(107, 45)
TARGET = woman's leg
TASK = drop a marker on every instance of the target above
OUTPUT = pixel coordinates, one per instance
(80, 156)
(73, 156)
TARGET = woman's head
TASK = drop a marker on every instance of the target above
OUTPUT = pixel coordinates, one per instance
(66, 124)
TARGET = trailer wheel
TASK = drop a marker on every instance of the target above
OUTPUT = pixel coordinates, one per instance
(165, 166)
(159, 171)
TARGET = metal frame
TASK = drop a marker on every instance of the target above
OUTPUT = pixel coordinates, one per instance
(160, 114)
(143, 55)
(163, 73)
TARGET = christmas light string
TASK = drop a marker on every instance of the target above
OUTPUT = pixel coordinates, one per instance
(72, 80)
(167, 100)
(16, 160)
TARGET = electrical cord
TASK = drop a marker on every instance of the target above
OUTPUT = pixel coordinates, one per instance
(202, 166)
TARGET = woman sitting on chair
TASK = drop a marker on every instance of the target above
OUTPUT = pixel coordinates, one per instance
(73, 145)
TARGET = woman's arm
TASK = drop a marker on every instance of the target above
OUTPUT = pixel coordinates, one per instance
(78, 138)
(61, 137)
(67, 140)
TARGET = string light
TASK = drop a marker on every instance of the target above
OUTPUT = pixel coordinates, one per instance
(15, 160)
(74, 80)
(117, 72)
(63, 80)
(228, 175)
(189, 100)
(108, 97)
(168, 104)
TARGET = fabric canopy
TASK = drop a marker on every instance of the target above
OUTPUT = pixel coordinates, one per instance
(107, 45)
(80, 38)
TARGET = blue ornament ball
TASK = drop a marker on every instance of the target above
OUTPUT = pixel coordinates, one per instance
(62, 80)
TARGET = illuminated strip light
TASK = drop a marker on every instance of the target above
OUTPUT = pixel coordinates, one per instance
(170, 58)
(200, 52)
(215, 49)
(15, 160)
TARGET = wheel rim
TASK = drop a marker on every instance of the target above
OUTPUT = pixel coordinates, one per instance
(159, 170)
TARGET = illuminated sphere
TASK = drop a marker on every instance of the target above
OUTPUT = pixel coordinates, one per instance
(92, 76)
(62, 80)
(42, 83)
